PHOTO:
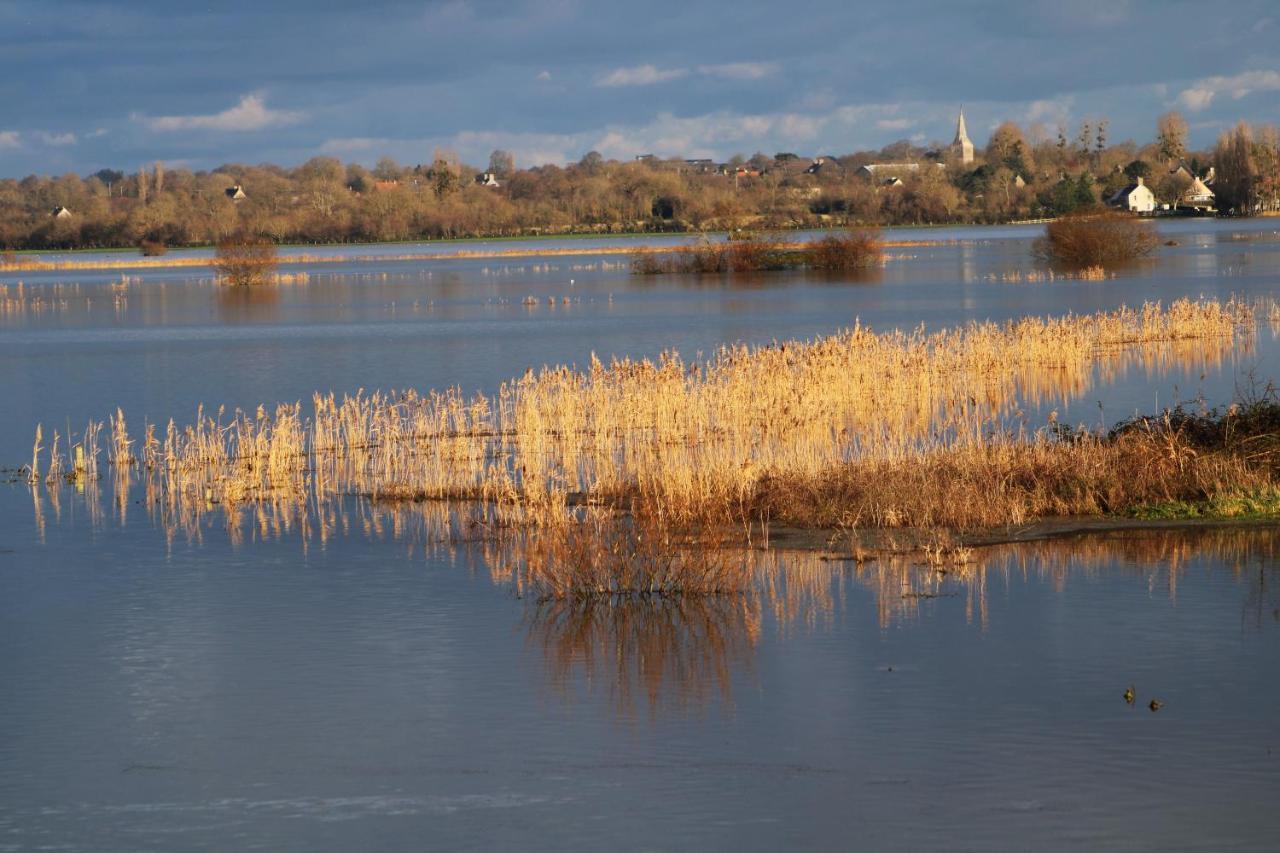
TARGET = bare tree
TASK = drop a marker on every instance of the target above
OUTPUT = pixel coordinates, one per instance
(1236, 170)
(1171, 136)
(502, 163)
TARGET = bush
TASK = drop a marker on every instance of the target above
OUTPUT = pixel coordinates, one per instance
(245, 260)
(1096, 238)
(152, 248)
(856, 249)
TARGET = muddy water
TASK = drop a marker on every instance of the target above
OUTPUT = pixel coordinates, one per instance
(364, 686)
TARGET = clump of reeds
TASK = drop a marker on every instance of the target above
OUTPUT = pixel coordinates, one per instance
(1098, 237)
(857, 249)
(752, 254)
(152, 248)
(245, 259)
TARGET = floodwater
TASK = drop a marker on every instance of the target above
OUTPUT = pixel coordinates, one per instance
(375, 688)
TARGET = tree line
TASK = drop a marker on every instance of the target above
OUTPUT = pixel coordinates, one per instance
(1019, 175)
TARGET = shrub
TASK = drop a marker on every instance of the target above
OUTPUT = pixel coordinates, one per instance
(152, 248)
(1096, 238)
(855, 249)
(245, 260)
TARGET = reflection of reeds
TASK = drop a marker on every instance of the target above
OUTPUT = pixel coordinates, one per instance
(692, 443)
(677, 654)
(674, 652)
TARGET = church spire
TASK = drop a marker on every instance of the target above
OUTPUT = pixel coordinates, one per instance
(963, 146)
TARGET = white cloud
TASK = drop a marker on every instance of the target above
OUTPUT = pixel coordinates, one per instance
(10, 139)
(57, 139)
(1055, 111)
(739, 70)
(250, 114)
(543, 75)
(94, 134)
(641, 75)
(894, 123)
(1200, 94)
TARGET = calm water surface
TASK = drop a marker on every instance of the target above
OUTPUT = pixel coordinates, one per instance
(173, 690)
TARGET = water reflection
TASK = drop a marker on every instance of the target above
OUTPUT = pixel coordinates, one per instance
(248, 304)
(670, 653)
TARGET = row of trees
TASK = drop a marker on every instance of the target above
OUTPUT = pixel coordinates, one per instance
(1019, 175)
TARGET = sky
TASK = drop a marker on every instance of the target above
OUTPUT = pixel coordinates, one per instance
(85, 86)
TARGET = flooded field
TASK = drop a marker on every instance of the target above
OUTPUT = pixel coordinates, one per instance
(366, 676)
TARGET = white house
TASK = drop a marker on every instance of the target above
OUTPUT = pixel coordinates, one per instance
(487, 179)
(1135, 197)
(236, 193)
(61, 212)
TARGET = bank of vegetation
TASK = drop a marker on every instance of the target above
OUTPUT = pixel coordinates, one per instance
(1022, 173)
(856, 249)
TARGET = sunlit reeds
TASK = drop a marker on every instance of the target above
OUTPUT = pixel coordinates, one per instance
(791, 430)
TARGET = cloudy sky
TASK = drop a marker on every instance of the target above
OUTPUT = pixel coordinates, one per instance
(116, 84)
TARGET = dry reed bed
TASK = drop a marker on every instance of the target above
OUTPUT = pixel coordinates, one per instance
(690, 444)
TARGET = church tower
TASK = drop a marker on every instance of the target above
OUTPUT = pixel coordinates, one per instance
(962, 148)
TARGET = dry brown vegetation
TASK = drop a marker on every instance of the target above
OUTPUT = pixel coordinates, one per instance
(245, 259)
(852, 250)
(1097, 237)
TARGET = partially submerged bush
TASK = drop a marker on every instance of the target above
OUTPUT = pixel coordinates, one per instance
(853, 250)
(152, 248)
(1098, 237)
(245, 260)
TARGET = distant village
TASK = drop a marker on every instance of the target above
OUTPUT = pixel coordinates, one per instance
(1019, 175)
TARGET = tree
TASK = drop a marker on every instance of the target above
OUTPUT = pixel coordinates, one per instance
(1236, 171)
(1138, 169)
(143, 185)
(1171, 136)
(1100, 140)
(1084, 139)
(591, 162)
(1170, 188)
(159, 177)
(245, 259)
(445, 173)
(1085, 196)
(387, 169)
(502, 163)
(1008, 148)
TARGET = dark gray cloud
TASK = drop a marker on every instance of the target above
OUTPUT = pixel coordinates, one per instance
(86, 85)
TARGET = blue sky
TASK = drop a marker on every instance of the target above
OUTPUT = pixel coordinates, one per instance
(113, 84)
